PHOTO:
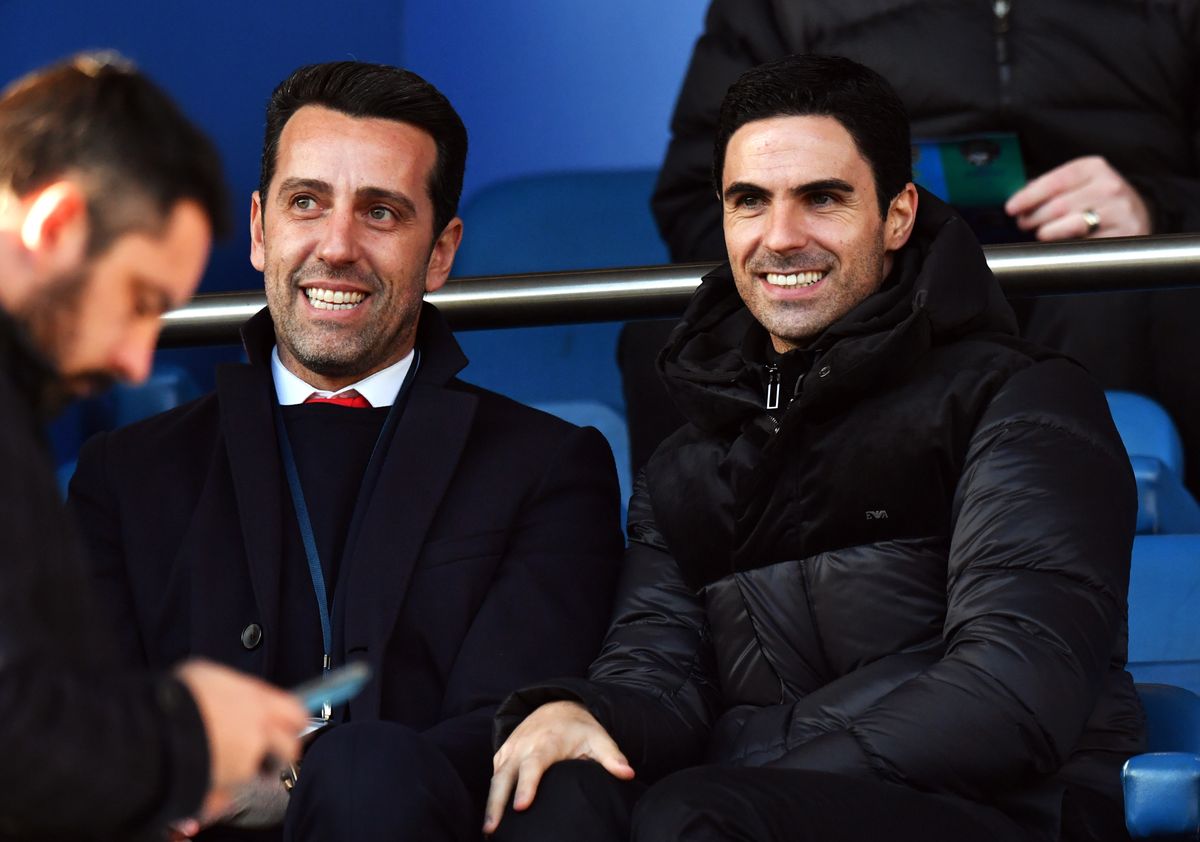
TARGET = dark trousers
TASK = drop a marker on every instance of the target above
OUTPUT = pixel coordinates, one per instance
(368, 781)
(578, 800)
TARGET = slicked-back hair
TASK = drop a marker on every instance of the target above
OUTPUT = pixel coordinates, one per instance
(358, 89)
(95, 118)
(826, 86)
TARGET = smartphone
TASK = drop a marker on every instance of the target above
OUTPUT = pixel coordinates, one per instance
(334, 687)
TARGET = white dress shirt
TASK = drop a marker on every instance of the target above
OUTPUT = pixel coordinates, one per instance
(380, 388)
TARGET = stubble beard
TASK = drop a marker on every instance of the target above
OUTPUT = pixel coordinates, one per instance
(797, 323)
(51, 317)
(327, 348)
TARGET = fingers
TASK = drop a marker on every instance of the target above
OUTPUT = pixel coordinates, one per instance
(1067, 177)
(614, 762)
(246, 721)
(289, 719)
(501, 786)
(561, 730)
(284, 709)
(529, 775)
(1057, 206)
(183, 829)
(521, 778)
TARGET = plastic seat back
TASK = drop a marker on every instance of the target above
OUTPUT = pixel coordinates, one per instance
(1164, 610)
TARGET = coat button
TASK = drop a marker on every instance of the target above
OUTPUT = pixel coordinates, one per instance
(824, 372)
(251, 636)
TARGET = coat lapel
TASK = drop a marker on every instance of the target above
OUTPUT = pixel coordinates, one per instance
(419, 465)
(246, 395)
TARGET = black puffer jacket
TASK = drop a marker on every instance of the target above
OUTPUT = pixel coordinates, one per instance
(916, 572)
(1119, 78)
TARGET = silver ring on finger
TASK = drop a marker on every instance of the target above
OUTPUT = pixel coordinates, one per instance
(1092, 220)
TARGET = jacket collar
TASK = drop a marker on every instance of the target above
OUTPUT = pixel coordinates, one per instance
(940, 288)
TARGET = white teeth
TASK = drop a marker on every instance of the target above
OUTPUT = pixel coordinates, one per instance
(797, 279)
(328, 299)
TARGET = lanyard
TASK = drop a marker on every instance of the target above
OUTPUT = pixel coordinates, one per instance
(298, 503)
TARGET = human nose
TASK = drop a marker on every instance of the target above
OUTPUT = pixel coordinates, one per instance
(133, 358)
(785, 230)
(338, 243)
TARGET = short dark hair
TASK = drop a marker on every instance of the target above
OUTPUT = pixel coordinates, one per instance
(97, 116)
(359, 89)
(828, 86)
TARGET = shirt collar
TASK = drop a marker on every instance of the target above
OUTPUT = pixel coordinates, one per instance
(380, 389)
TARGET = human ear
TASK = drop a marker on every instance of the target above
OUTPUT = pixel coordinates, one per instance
(54, 230)
(901, 216)
(441, 257)
(257, 250)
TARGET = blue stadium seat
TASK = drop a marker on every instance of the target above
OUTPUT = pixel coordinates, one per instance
(1164, 610)
(554, 222)
(1162, 788)
(558, 221)
(1146, 429)
(1164, 505)
(1156, 453)
(167, 387)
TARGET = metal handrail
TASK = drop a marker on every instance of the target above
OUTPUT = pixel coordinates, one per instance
(1023, 269)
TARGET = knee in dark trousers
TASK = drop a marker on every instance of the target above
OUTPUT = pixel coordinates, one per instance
(686, 805)
(577, 800)
(757, 804)
(370, 781)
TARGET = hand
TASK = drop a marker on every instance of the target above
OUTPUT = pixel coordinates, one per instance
(555, 731)
(259, 803)
(1054, 203)
(249, 723)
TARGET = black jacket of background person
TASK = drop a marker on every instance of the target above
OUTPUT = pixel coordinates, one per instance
(87, 750)
(916, 572)
(486, 560)
(1067, 95)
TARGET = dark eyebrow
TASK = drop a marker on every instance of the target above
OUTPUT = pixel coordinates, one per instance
(315, 185)
(824, 185)
(369, 194)
(378, 194)
(743, 188)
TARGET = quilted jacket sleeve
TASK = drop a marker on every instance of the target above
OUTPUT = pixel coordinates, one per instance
(1037, 581)
(652, 685)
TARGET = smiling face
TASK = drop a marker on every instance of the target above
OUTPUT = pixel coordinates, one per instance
(802, 225)
(346, 242)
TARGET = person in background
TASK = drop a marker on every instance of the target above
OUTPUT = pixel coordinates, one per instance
(109, 198)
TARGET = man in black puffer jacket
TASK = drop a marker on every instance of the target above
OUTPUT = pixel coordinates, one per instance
(1102, 95)
(877, 585)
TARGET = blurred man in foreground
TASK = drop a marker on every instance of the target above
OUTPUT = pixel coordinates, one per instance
(109, 199)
